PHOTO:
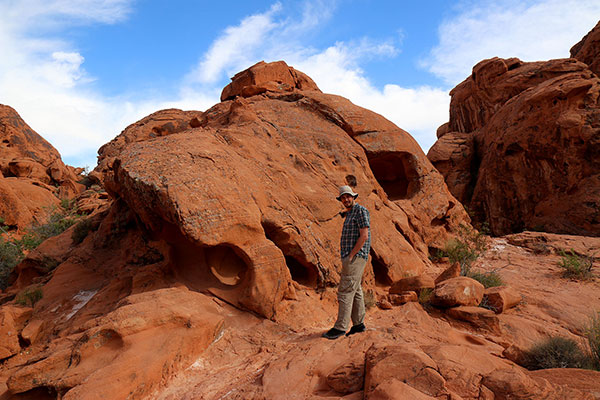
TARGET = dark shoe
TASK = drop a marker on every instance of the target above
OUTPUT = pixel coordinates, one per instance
(356, 329)
(333, 334)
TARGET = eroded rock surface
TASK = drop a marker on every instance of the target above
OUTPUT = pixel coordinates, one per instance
(522, 146)
(32, 174)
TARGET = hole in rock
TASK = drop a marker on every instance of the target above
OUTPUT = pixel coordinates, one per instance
(396, 173)
(302, 271)
(301, 274)
(380, 271)
(225, 265)
(39, 393)
(205, 267)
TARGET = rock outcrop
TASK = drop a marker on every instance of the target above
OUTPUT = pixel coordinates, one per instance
(588, 50)
(32, 174)
(522, 147)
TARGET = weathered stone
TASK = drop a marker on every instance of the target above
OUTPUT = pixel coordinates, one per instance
(479, 317)
(403, 297)
(461, 291)
(347, 378)
(587, 50)
(413, 283)
(501, 298)
(12, 320)
(452, 271)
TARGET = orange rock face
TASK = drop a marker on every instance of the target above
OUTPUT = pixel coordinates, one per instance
(588, 50)
(32, 176)
(522, 146)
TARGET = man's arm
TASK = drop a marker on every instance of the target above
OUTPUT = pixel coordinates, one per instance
(362, 238)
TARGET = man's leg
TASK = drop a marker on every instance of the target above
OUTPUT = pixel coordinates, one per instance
(348, 289)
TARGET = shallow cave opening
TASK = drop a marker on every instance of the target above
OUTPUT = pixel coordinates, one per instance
(225, 264)
(397, 174)
(301, 274)
(301, 271)
(380, 271)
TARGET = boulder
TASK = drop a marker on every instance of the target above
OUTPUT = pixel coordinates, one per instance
(403, 297)
(12, 320)
(461, 291)
(452, 271)
(522, 150)
(479, 317)
(394, 389)
(501, 298)
(413, 283)
(261, 77)
(347, 378)
(403, 363)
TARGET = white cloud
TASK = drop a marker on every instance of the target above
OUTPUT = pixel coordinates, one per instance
(530, 30)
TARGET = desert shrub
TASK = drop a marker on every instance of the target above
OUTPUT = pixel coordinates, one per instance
(58, 222)
(487, 279)
(369, 298)
(556, 352)
(81, 230)
(593, 337)
(11, 253)
(425, 295)
(29, 297)
(464, 250)
(575, 266)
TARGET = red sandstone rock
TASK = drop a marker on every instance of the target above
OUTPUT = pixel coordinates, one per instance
(461, 291)
(413, 283)
(347, 378)
(402, 363)
(384, 304)
(452, 271)
(12, 320)
(521, 149)
(262, 77)
(587, 381)
(32, 174)
(403, 297)
(479, 317)
(588, 49)
(500, 299)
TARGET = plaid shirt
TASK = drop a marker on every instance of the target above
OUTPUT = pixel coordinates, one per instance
(356, 218)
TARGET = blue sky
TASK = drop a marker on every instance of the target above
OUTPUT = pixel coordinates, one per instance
(80, 71)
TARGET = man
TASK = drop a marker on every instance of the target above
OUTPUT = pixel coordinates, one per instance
(355, 244)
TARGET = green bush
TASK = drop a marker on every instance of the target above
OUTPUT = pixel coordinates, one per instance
(487, 279)
(369, 299)
(557, 352)
(593, 336)
(29, 297)
(425, 295)
(81, 230)
(576, 266)
(11, 253)
(464, 250)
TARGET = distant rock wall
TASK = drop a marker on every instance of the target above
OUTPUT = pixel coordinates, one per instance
(522, 148)
(32, 174)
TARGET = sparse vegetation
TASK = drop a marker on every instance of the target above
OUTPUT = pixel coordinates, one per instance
(29, 297)
(576, 266)
(369, 298)
(487, 279)
(557, 352)
(81, 230)
(466, 249)
(12, 250)
(425, 296)
(593, 336)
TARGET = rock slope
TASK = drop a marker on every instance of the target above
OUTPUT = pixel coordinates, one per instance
(32, 174)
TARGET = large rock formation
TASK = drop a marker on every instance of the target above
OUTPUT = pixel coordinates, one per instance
(234, 209)
(588, 50)
(32, 174)
(522, 147)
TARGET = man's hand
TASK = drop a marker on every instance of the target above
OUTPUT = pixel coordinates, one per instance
(362, 238)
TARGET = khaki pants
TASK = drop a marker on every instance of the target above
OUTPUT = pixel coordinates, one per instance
(351, 304)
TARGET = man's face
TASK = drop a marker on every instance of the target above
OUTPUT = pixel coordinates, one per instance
(347, 200)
